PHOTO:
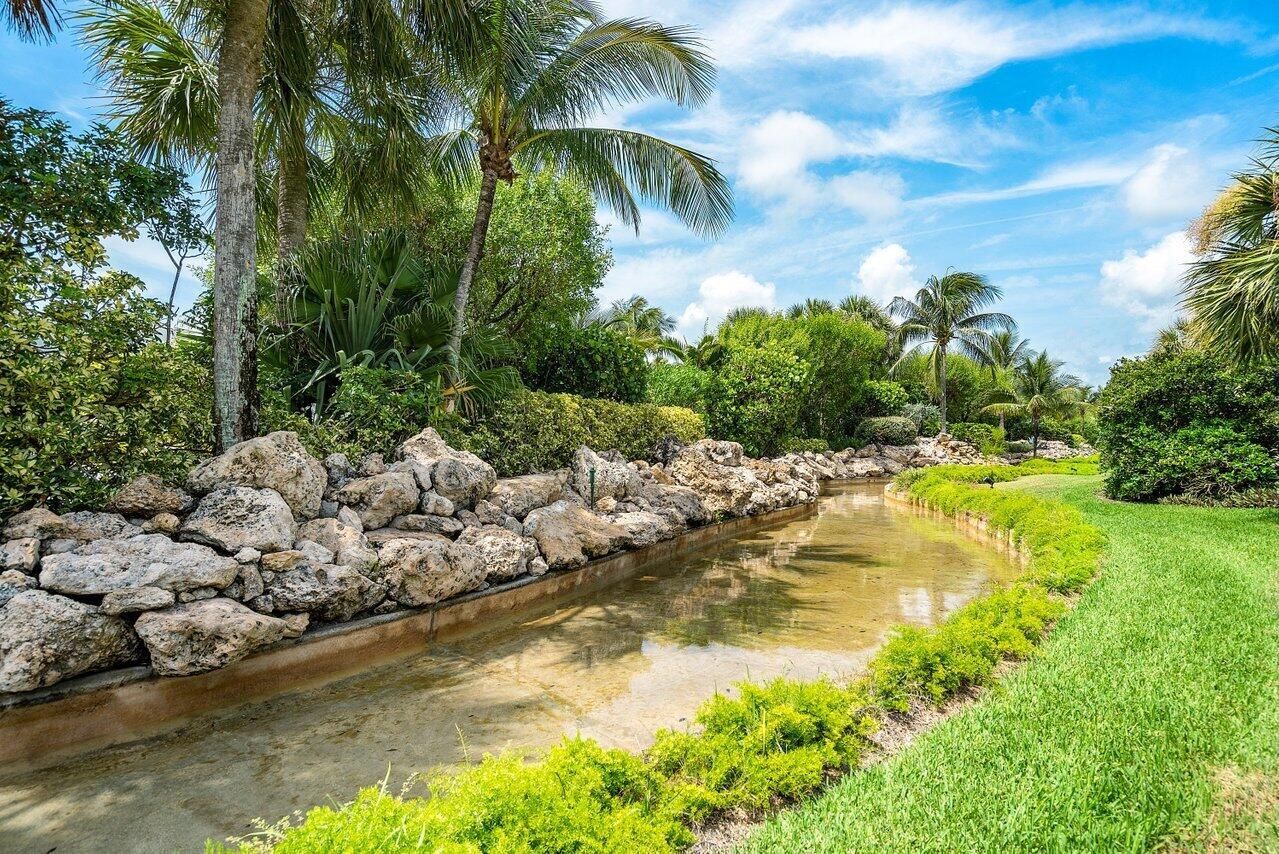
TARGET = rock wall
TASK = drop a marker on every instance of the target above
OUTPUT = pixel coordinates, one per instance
(265, 541)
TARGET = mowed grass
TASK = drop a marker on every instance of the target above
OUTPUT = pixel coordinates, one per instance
(1149, 718)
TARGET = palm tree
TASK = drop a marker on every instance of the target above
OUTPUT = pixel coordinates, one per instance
(706, 354)
(948, 311)
(32, 20)
(1232, 292)
(647, 325)
(1040, 390)
(1004, 350)
(810, 308)
(536, 73)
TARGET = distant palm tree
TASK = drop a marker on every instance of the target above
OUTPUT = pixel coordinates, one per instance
(1004, 350)
(810, 308)
(1039, 389)
(32, 20)
(1232, 292)
(706, 353)
(948, 311)
(647, 325)
(535, 73)
(1174, 338)
(867, 310)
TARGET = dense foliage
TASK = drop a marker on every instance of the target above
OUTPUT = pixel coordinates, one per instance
(889, 430)
(756, 397)
(678, 385)
(590, 360)
(537, 431)
(1185, 421)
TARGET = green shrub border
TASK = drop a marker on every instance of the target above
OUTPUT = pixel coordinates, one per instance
(773, 744)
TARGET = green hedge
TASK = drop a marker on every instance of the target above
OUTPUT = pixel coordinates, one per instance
(538, 431)
(774, 743)
(987, 438)
(890, 430)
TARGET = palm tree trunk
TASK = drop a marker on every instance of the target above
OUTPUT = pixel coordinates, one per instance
(292, 213)
(941, 386)
(474, 252)
(235, 415)
(1034, 436)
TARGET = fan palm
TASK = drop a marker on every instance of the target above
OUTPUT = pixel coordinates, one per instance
(535, 73)
(1232, 292)
(367, 301)
(948, 311)
(811, 308)
(1039, 389)
(31, 19)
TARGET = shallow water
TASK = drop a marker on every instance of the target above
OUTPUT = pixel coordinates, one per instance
(804, 598)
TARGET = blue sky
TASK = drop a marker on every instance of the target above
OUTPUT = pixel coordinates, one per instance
(1059, 148)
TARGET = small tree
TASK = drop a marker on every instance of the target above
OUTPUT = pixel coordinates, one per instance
(1040, 390)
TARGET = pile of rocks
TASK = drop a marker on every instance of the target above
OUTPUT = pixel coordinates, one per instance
(885, 460)
(1054, 450)
(265, 541)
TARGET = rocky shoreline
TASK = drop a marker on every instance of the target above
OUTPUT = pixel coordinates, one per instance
(265, 541)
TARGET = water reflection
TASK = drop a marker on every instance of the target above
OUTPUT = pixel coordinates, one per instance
(809, 597)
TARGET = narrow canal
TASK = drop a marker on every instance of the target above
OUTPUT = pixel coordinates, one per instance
(804, 598)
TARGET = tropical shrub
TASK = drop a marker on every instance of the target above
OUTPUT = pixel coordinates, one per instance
(538, 431)
(1204, 461)
(925, 416)
(678, 385)
(987, 438)
(892, 430)
(591, 361)
(1149, 400)
(884, 397)
(1017, 446)
(755, 397)
(799, 446)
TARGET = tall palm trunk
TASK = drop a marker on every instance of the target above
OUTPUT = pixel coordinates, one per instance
(941, 383)
(1034, 436)
(292, 213)
(235, 410)
(474, 252)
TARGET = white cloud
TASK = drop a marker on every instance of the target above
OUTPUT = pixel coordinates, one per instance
(1146, 284)
(873, 195)
(721, 293)
(1172, 184)
(925, 48)
(887, 272)
(777, 152)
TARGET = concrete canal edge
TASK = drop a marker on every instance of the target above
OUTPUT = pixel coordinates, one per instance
(115, 707)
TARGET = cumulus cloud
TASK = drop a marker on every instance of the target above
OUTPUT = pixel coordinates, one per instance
(719, 294)
(887, 272)
(873, 195)
(778, 151)
(1171, 184)
(1145, 284)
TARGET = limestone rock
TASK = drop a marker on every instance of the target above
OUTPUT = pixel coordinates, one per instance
(568, 535)
(277, 461)
(38, 523)
(161, 523)
(537, 566)
(446, 526)
(424, 571)
(46, 638)
(137, 599)
(679, 504)
(518, 496)
(148, 496)
(643, 528)
(504, 554)
(729, 490)
(295, 624)
(459, 476)
(328, 592)
(92, 525)
(238, 517)
(613, 478)
(348, 517)
(248, 555)
(434, 504)
(147, 560)
(204, 635)
(349, 545)
(22, 554)
(313, 551)
(13, 582)
(381, 497)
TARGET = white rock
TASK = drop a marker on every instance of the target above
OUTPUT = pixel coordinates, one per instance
(568, 535)
(503, 554)
(137, 599)
(349, 545)
(380, 498)
(204, 635)
(277, 461)
(149, 496)
(424, 571)
(518, 496)
(147, 560)
(22, 554)
(46, 638)
(237, 517)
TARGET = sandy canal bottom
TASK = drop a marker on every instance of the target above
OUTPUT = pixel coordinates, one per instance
(805, 598)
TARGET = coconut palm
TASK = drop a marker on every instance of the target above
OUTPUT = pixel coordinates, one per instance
(32, 20)
(647, 325)
(946, 312)
(707, 353)
(1004, 350)
(810, 308)
(1232, 291)
(537, 72)
(1039, 389)
(867, 310)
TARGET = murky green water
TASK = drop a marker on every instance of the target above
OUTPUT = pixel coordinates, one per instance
(815, 596)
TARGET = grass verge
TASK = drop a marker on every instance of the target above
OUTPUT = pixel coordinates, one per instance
(1149, 719)
(774, 744)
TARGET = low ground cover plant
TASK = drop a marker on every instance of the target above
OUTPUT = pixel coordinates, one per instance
(769, 745)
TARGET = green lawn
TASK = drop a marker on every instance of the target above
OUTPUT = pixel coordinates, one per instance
(1150, 717)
